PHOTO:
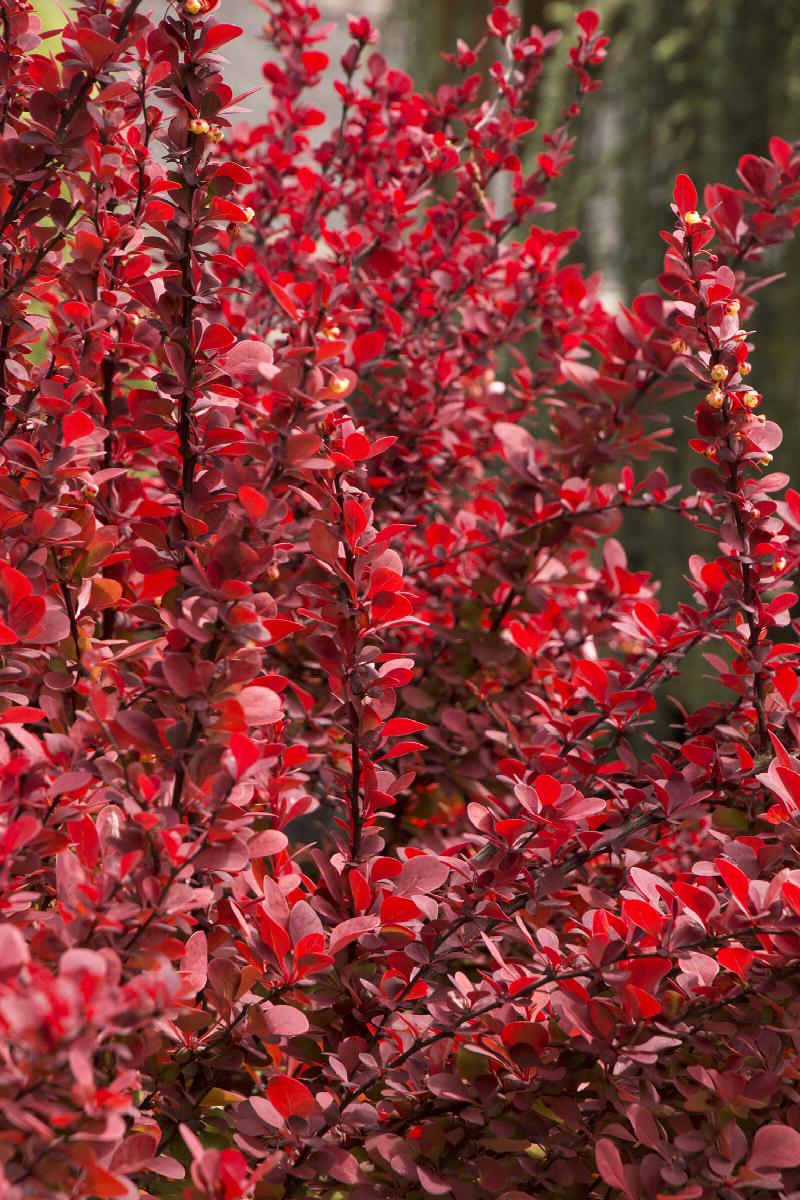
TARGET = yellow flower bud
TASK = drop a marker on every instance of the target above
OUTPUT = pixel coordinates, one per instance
(249, 213)
(718, 372)
(198, 126)
(732, 308)
(766, 460)
(215, 134)
(779, 564)
(710, 452)
(678, 346)
(193, 7)
(715, 398)
(338, 385)
(751, 399)
(692, 218)
(745, 368)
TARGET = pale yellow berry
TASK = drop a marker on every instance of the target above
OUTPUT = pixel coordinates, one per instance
(692, 218)
(193, 7)
(338, 385)
(751, 399)
(719, 373)
(198, 126)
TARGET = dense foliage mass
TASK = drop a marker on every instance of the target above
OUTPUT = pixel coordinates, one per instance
(341, 856)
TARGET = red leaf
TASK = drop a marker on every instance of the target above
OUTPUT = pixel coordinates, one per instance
(640, 913)
(260, 705)
(588, 21)
(254, 503)
(736, 959)
(685, 195)
(77, 425)
(248, 357)
(217, 337)
(355, 520)
(641, 1003)
(399, 908)
(281, 1020)
(402, 748)
(349, 931)
(104, 1185)
(218, 35)
(267, 843)
(246, 753)
(225, 210)
(315, 61)
(736, 880)
(157, 211)
(234, 171)
(13, 950)
(526, 1033)
(290, 1097)
(775, 1148)
(285, 300)
(368, 346)
(791, 894)
(22, 715)
(609, 1164)
(401, 725)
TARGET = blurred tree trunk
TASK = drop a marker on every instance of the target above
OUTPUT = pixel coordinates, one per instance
(427, 28)
(534, 12)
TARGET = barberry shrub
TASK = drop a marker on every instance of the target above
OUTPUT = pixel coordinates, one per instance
(351, 844)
